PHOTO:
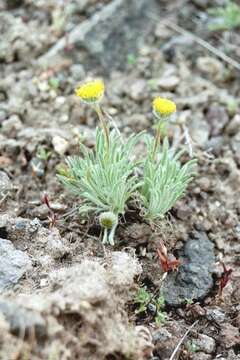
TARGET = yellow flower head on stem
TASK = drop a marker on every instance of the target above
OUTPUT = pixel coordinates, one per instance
(163, 108)
(91, 92)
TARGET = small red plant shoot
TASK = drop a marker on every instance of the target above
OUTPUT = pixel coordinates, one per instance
(53, 217)
(167, 263)
(224, 278)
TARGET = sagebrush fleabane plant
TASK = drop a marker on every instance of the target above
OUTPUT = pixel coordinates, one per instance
(107, 177)
(104, 178)
(164, 178)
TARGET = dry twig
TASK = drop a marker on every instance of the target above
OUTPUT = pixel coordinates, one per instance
(201, 42)
(182, 340)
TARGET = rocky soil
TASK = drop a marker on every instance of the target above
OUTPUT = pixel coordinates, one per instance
(62, 294)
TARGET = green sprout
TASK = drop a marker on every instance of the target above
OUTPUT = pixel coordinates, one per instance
(54, 83)
(192, 347)
(188, 301)
(160, 314)
(43, 153)
(232, 106)
(152, 83)
(225, 18)
(142, 298)
(131, 59)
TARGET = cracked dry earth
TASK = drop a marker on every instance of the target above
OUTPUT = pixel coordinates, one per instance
(62, 295)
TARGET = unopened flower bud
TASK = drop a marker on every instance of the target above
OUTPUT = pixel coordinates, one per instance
(108, 220)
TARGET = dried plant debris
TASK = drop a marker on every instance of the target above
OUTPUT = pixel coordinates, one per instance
(85, 306)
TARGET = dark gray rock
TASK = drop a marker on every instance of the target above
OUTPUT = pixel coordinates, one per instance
(11, 4)
(110, 35)
(23, 321)
(193, 280)
(14, 263)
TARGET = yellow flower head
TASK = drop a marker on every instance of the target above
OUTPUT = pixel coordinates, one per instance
(163, 107)
(91, 91)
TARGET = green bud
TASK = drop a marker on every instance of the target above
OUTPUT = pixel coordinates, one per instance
(108, 220)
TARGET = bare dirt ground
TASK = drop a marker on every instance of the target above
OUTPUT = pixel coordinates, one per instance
(64, 295)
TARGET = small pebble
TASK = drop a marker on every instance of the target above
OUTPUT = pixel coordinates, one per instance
(169, 83)
(205, 343)
(60, 145)
(161, 335)
(77, 71)
(204, 183)
(13, 123)
(5, 184)
(211, 66)
(3, 115)
(215, 314)
(151, 308)
(234, 126)
(201, 356)
(137, 90)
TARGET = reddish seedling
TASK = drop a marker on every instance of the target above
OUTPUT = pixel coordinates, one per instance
(224, 278)
(167, 263)
(53, 217)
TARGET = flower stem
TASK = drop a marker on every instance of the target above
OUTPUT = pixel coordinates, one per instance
(161, 131)
(156, 142)
(103, 123)
(105, 236)
(111, 235)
